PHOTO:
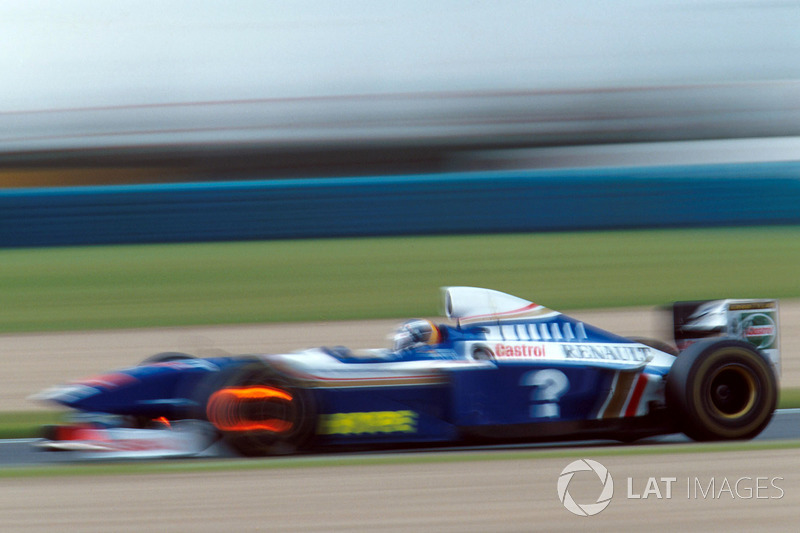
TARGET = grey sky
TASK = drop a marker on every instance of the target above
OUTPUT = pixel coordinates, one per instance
(85, 53)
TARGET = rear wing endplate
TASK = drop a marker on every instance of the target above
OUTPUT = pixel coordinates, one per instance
(754, 321)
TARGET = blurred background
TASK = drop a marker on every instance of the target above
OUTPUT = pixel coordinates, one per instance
(101, 92)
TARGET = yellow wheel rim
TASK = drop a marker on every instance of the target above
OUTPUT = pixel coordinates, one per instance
(732, 391)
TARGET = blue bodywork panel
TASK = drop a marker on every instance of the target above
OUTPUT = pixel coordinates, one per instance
(516, 394)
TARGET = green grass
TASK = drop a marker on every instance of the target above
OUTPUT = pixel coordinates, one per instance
(26, 424)
(222, 283)
(789, 399)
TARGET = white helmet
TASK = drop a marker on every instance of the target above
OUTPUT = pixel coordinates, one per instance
(415, 333)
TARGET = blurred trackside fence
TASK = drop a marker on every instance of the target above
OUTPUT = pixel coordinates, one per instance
(485, 202)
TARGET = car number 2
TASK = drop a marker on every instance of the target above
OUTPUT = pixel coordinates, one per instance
(549, 385)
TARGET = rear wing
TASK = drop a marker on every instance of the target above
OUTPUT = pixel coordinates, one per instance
(754, 321)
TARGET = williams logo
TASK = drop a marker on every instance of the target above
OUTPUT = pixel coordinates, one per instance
(606, 492)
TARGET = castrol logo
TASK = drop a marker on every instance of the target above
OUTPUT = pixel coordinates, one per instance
(759, 329)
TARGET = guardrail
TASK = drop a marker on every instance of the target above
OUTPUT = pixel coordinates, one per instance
(486, 202)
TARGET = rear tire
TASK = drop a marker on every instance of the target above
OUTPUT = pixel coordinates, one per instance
(721, 389)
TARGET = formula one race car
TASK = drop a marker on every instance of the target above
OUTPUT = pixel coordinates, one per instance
(508, 371)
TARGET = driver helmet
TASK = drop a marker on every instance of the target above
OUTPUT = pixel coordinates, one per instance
(415, 333)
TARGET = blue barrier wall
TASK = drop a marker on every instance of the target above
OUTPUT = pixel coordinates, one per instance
(541, 200)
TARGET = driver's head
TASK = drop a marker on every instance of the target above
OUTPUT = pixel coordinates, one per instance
(416, 332)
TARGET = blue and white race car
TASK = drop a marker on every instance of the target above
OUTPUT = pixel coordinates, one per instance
(507, 370)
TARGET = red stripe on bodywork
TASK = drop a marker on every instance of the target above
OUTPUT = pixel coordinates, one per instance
(638, 390)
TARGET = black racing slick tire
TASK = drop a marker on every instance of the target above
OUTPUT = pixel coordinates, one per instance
(261, 412)
(721, 390)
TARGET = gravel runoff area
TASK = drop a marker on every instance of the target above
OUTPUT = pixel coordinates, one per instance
(32, 362)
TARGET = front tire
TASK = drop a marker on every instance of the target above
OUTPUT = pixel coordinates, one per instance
(721, 390)
(260, 412)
